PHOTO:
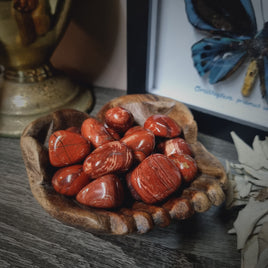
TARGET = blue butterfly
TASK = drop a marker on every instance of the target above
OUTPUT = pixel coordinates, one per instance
(233, 39)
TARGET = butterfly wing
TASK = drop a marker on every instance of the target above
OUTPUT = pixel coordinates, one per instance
(234, 22)
(263, 74)
(220, 56)
(225, 17)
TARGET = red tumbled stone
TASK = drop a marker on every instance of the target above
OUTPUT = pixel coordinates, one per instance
(95, 132)
(108, 158)
(155, 178)
(70, 180)
(133, 130)
(67, 148)
(140, 140)
(172, 146)
(186, 164)
(130, 187)
(163, 126)
(104, 192)
(74, 129)
(119, 119)
(112, 132)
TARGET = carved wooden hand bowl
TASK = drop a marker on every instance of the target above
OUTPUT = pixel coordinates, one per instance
(206, 190)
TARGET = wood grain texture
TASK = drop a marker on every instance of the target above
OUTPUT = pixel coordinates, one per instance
(30, 237)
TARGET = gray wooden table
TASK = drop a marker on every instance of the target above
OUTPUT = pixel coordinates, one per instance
(29, 237)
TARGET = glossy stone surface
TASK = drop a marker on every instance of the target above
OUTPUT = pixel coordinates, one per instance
(104, 192)
(155, 178)
(141, 141)
(74, 129)
(95, 132)
(70, 180)
(133, 129)
(162, 126)
(108, 158)
(175, 145)
(186, 165)
(112, 132)
(119, 119)
(133, 193)
(67, 148)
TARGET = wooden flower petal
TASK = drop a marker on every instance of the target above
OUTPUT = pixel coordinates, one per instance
(179, 208)
(211, 187)
(209, 164)
(143, 220)
(160, 215)
(198, 198)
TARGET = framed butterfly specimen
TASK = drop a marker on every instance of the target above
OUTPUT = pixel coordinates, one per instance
(198, 52)
(232, 38)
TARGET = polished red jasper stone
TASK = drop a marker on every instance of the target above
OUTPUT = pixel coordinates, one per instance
(155, 178)
(186, 164)
(70, 180)
(141, 141)
(175, 145)
(132, 130)
(74, 129)
(67, 148)
(112, 132)
(111, 157)
(162, 126)
(133, 193)
(104, 192)
(95, 132)
(119, 119)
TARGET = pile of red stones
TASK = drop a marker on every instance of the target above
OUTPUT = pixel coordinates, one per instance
(98, 160)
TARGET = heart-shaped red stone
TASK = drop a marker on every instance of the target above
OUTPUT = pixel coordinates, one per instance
(186, 164)
(119, 119)
(104, 192)
(140, 140)
(162, 126)
(95, 132)
(67, 148)
(177, 145)
(111, 157)
(70, 180)
(155, 178)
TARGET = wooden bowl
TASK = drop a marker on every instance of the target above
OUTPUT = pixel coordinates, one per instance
(206, 190)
